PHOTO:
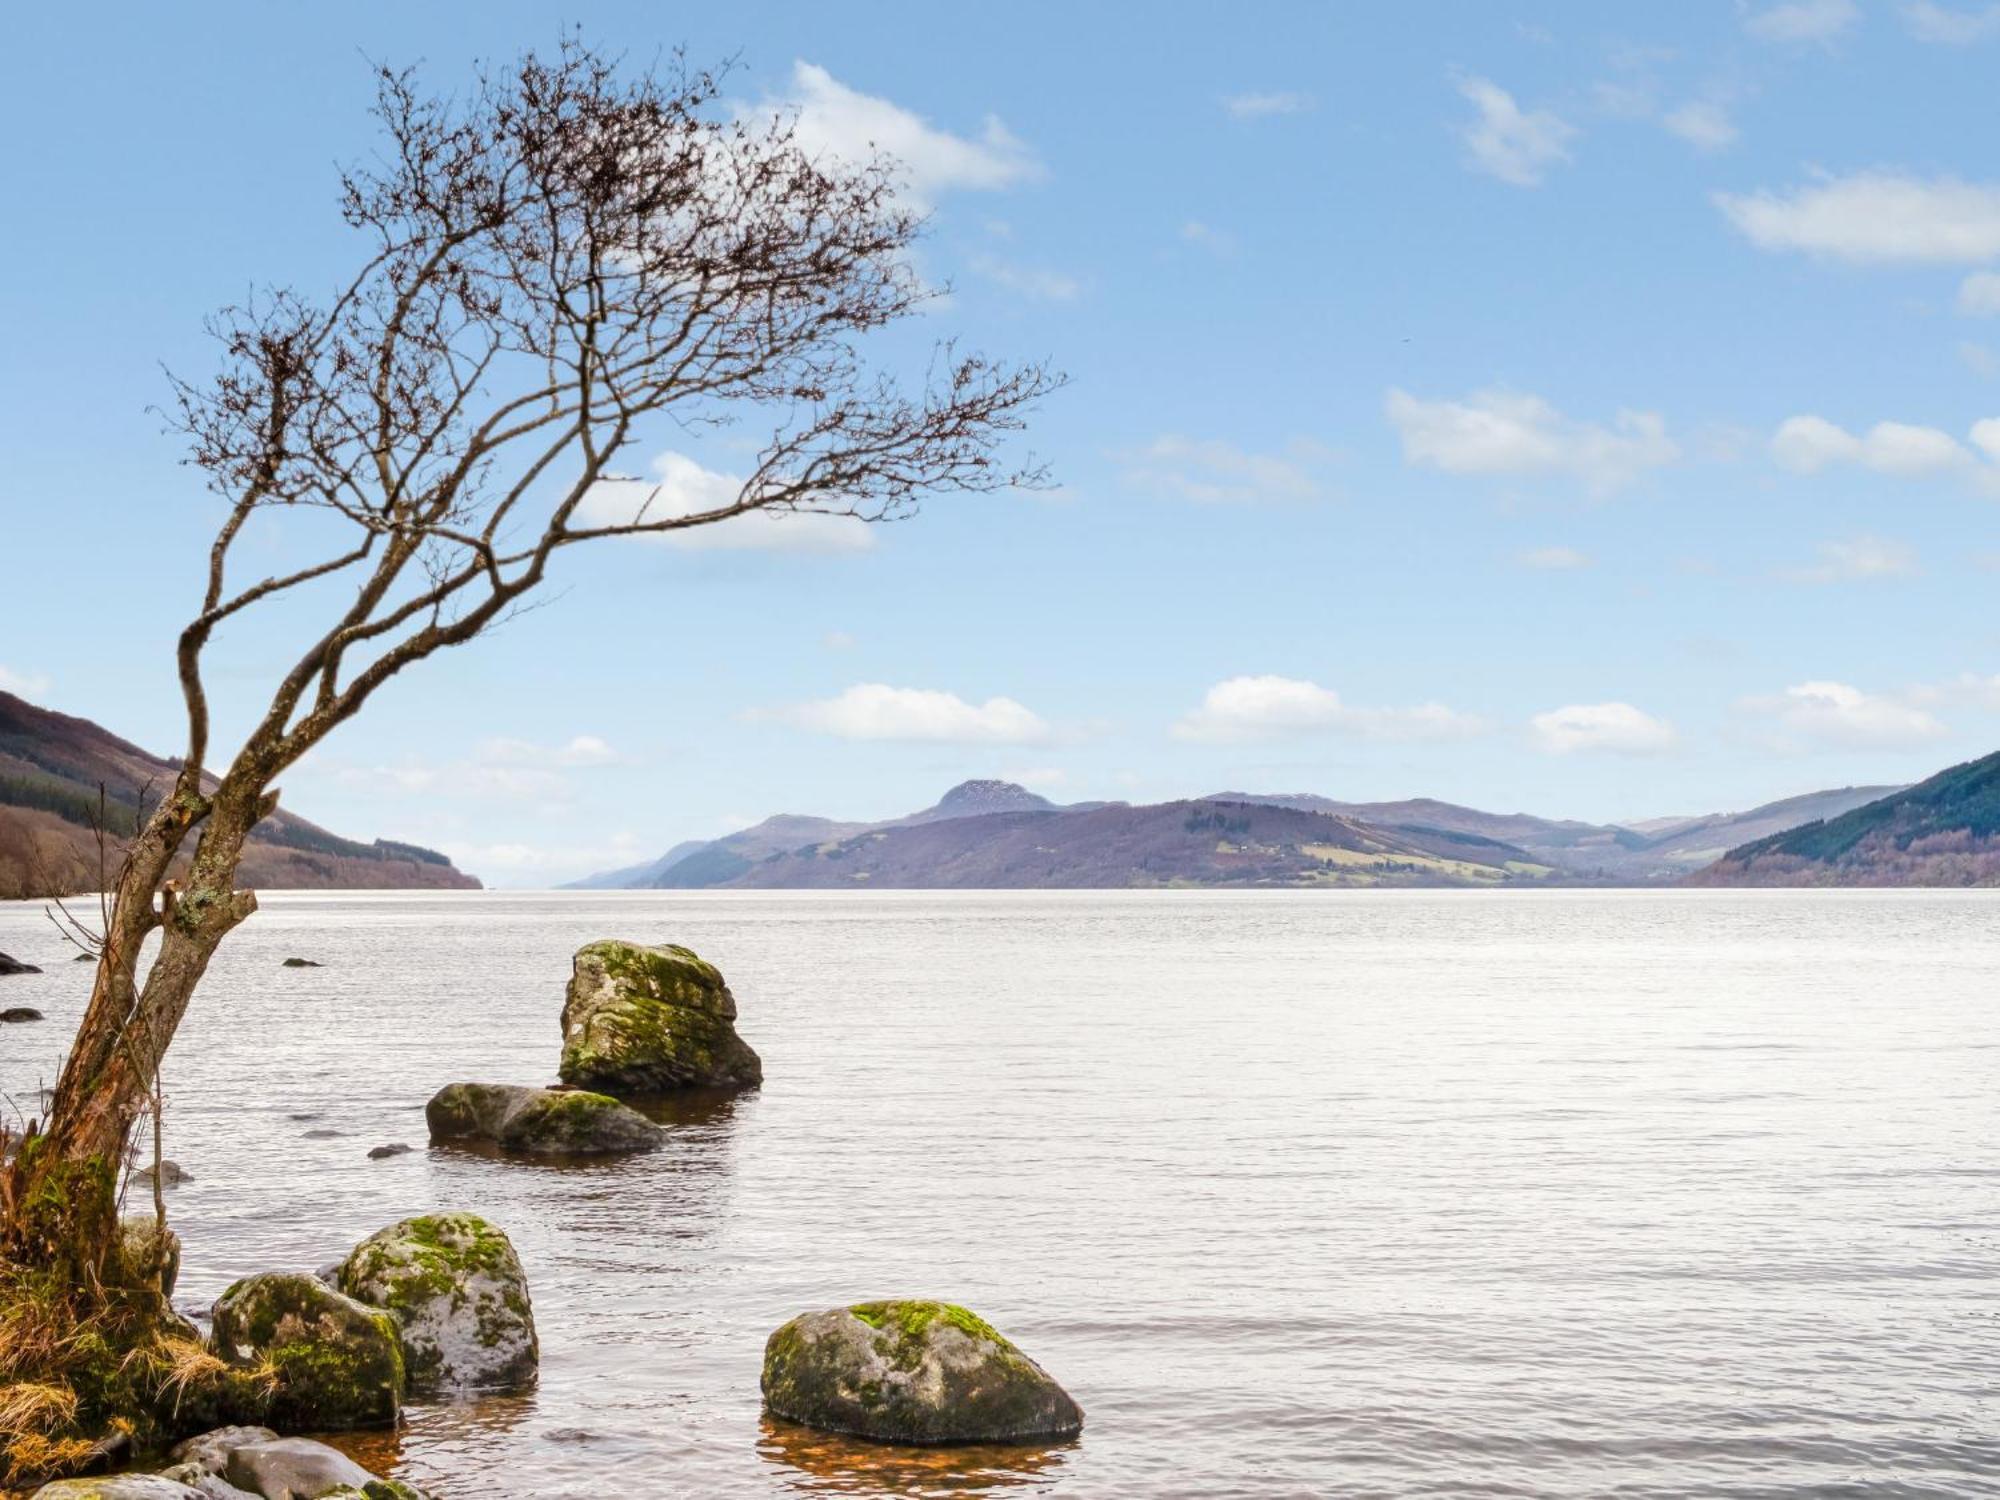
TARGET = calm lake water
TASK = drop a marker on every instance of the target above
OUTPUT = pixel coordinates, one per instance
(1300, 1194)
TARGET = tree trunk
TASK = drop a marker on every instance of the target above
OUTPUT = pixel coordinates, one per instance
(61, 1189)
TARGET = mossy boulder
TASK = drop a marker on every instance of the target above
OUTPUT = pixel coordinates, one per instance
(333, 1362)
(641, 1020)
(293, 1467)
(118, 1487)
(460, 1300)
(912, 1372)
(539, 1122)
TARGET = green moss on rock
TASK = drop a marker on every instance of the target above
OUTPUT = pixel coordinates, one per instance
(334, 1362)
(541, 1122)
(644, 1020)
(459, 1297)
(912, 1371)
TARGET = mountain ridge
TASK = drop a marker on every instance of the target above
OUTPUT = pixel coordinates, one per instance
(981, 831)
(58, 771)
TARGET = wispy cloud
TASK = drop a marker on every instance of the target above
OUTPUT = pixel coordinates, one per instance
(1213, 472)
(1242, 709)
(683, 487)
(1035, 282)
(1262, 106)
(1950, 26)
(877, 711)
(1207, 237)
(1553, 559)
(845, 124)
(1810, 715)
(1874, 218)
(1857, 560)
(1901, 450)
(1503, 140)
(1602, 728)
(1703, 124)
(1500, 432)
(1819, 22)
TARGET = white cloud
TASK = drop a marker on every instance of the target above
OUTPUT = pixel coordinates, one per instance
(1508, 432)
(1262, 106)
(1508, 142)
(1208, 237)
(1703, 124)
(876, 711)
(1036, 282)
(1951, 27)
(1268, 707)
(1820, 21)
(1874, 218)
(1835, 713)
(684, 488)
(1858, 559)
(1554, 559)
(23, 684)
(1808, 444)
(1214, 472)
(1613, 728)
(836, 121)
(1979, 294)
(579, 750)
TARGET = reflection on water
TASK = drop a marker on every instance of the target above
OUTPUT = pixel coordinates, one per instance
(1382, 1194)
(818, 1463)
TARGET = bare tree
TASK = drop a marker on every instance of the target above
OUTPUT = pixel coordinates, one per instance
(556, 265)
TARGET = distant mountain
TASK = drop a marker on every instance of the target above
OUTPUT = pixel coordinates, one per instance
(1171, 844)
(1940, 832)
(998, 834)
(51, 766)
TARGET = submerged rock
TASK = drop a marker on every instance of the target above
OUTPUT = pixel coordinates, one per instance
(20, 1013)
(302, 963)
(912, 1372)
(337, 1362)
(543, 1122)
(641, 1020)
(150, 1252)
(15, 966)
(395, 1148)
(172, 1174)
(460, 1299)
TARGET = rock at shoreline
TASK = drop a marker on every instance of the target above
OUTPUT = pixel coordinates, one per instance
(172, 1174)
(118, 1487)
(149, 1252)
(912, 1372)
(208, 1486)
(641, 1020)
(338, 1362)
(210, 1451)
(15, 966)
(302, 963)
(20, 1013)
(459, 1297)
(395, 1148)
(539, 1122)
(281, 1467)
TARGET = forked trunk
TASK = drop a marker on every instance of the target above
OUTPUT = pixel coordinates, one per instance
(60, 1191)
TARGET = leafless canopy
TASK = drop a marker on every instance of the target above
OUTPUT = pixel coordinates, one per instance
(556, 264)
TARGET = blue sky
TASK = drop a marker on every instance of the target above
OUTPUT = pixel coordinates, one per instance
(1570, 409)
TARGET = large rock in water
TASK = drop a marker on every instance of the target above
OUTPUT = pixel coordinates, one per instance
(338, 1362)
(15, 966)
(641, 1020)
(118, 1487)
(460, 1299)
(541, 1122)
(912, 1372)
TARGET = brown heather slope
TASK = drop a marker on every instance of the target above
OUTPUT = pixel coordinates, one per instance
(51, 767)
